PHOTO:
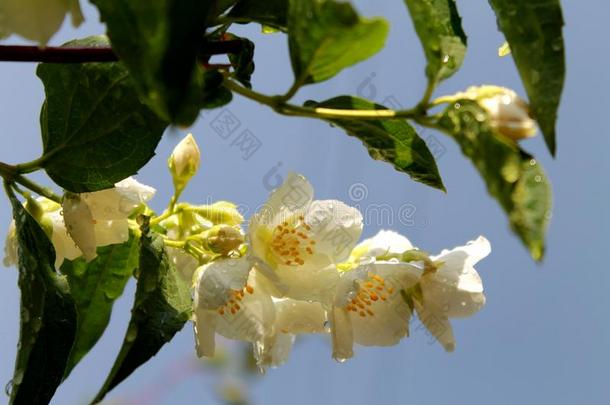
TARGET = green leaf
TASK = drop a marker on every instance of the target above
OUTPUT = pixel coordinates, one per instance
(439, 28)
(159, 42)
(214, 93)
(533, 29)
(243, 62)
(512, 176)
(48, 315)
(392, 141)
(161, 308)
(326, 36)
(95, 286)
(95, 130)
(272, 13)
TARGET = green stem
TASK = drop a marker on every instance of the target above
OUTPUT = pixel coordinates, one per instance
(12, 174)
(37, 188)
(277, 103)
(424, 104)
(30, 167)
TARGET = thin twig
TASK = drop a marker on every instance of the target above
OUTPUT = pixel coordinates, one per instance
(54, 54)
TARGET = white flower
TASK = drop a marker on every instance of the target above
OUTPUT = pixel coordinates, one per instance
(37, 20)
(228, 301)
(100, 218)
(11, 255)
(50, 215)
(292, 318)
(369, 307)
(184, 162)
(297, 242)
(507, 112)
(453, 290)
(232, 299)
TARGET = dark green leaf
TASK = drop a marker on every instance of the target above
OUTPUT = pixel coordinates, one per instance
(214, 93)
(513, 177)
(161, 308)
(439, 28)
(159, 42)
(533, 29)
(243, 62)
(95, 286)
(48, 315)
(95, 130)
(326, 36)
(269, 12)
(393, 141)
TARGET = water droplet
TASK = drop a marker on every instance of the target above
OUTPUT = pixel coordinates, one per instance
(463, 303)
(538, 178)
(446, 59)
(340, 360)
(557, 44)
(548, 215)
(457, 106)
(533, 162)
(327, 326)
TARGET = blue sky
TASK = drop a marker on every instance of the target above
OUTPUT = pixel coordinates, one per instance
(543, 336)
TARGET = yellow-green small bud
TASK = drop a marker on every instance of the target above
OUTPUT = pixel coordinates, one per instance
(184, 162)
(37, 209)
(221, 212)
(223, 239)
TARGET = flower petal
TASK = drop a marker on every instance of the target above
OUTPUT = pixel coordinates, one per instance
(383, 244)
(437, 324)
(204, 326)
(342, 334)
(218, 281)
(379, 314)
(111, 232)
(80, 224)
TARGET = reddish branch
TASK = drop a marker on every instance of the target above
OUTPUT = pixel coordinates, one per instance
(52, 54)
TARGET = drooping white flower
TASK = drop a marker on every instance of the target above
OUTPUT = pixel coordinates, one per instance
(229, 301)
(453, 290)
(37, 20)
(100, 218)
(297, 241)
(369, 307)
(507, 112)
(292, 318)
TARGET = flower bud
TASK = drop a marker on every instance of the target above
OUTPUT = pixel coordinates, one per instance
(184, 162)
(508, 114)
(221, 212)
(223, 239)
(80, 224)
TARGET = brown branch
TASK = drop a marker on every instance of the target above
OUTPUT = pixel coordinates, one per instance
(53, 54)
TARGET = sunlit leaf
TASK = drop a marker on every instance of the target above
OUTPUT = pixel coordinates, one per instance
(513, 177)
(392, 141)
(439, 28)
(533, 29)
(326, 36)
